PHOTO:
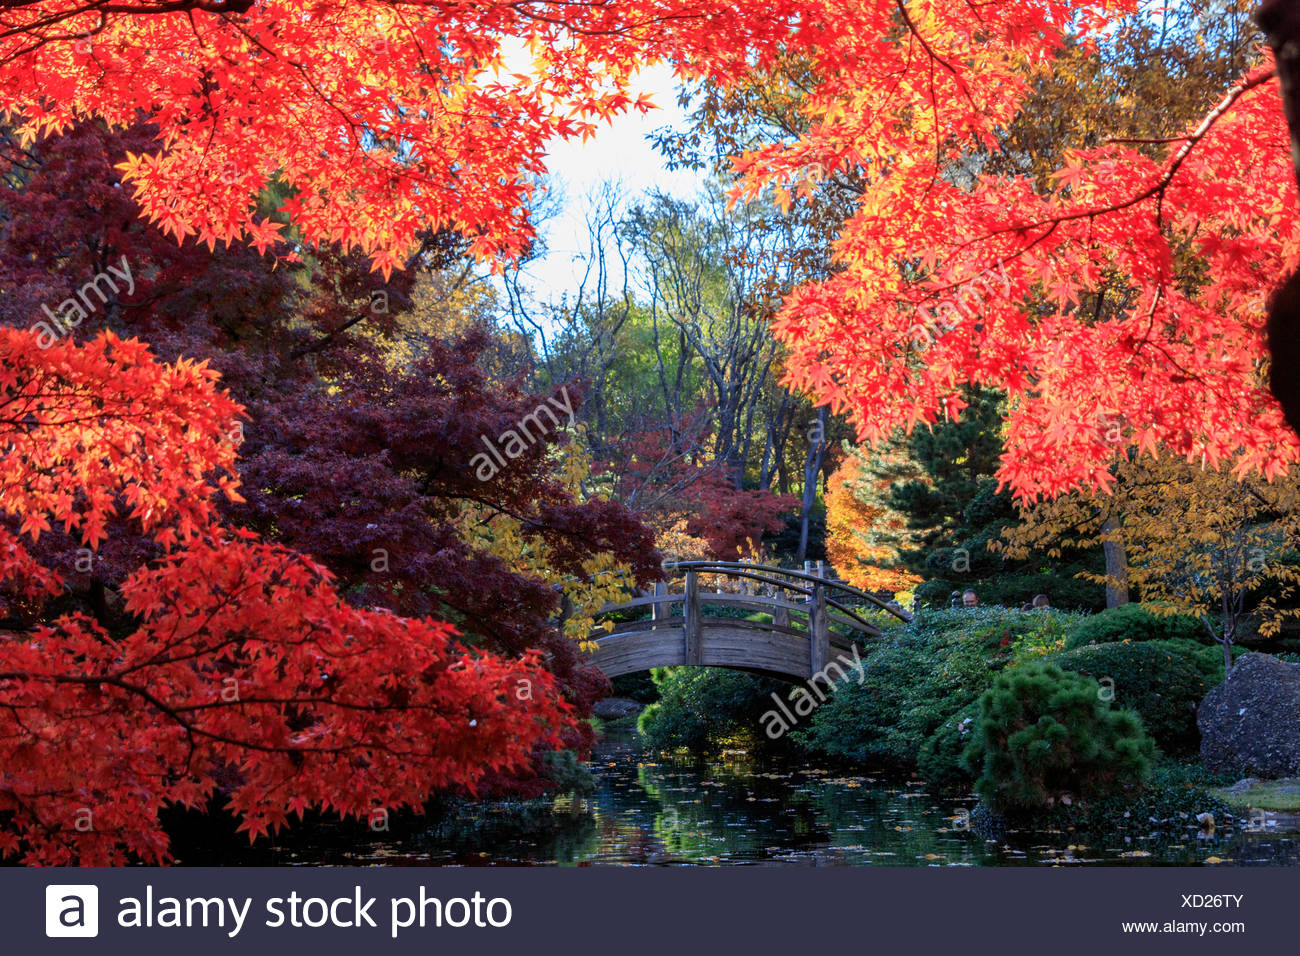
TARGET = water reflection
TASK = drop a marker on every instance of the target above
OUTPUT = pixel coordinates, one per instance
(728, 811)
(655, 810)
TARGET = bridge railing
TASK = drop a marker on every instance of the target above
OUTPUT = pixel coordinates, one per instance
(822, 601)
(799, 582)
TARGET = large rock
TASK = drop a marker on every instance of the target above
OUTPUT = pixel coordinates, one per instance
(1250, 724)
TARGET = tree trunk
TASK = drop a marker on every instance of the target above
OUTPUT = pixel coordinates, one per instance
(99, 603)
(1230, 618)
(1116, 566)
(774, 445)
(812, 467)
(1281, 21)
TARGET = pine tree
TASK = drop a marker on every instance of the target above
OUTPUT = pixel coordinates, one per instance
(1044, 734)
(943, 483)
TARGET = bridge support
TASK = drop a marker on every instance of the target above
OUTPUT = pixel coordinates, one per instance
(692, 626)
(819, 631)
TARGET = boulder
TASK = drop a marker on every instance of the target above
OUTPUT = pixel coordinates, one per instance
(1250, 724)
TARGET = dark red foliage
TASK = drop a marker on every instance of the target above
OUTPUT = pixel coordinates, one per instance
(339, 460)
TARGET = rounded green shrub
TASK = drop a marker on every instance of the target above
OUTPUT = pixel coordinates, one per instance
(1206, 658)
(1132, 622)
(1044, 734)
(1155, 679)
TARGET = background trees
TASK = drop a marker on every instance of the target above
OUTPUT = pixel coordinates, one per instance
(670, 335)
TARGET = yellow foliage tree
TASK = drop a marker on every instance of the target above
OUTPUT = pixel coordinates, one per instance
(863, 534)
(604, 580)
(1198, 540)
(447, 304)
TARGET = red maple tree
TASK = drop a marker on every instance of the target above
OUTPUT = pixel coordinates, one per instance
(245, 667)
(341, 472)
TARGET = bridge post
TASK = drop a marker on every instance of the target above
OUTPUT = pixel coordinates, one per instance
(692, 626)
(658, 611)
(819, 631)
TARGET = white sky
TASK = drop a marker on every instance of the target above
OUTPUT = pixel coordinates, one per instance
(620, 153)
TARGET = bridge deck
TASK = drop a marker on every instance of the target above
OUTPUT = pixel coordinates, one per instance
(799, 642)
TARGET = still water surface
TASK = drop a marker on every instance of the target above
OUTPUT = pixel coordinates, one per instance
(656, 810)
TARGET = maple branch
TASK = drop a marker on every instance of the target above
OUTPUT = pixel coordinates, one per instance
(175, 711)
(323, 343)
(1157, 190)
(1161, 185)
(934, 57)
(105, 8)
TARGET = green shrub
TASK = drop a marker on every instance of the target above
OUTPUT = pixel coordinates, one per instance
(1026, 635)
(1156, 680)
(1044, 733)
(940, 759)
(1206, 658)
(701, 708)
(917, 676)
(1132, 622)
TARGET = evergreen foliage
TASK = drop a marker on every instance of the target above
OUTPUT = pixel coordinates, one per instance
(1133, 622)
(955, 512)
(1045, 734)
(701, 708)
(1153, 678)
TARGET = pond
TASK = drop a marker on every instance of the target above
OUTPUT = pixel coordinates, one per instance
(656, 810)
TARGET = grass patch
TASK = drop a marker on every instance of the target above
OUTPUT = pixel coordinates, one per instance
(1266, 795)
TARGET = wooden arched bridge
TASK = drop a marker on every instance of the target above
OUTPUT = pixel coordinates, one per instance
(794, 623)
